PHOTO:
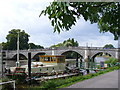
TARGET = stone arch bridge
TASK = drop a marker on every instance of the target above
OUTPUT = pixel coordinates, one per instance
(83, 51)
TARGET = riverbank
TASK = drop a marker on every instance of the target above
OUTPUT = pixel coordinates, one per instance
(105, 56)
(67, 81)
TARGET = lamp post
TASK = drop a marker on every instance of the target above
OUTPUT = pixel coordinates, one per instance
(86, 44)
(18, 62)
(91, 44)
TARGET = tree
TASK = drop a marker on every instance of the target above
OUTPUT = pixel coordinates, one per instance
(67, 43)
(11, 43)
(33, 46)
(64, 15)
(111, 60)
(108, 46)
(57, 45)
(70, 42)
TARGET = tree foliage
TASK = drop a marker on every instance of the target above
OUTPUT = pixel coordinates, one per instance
(111, 60)
(11, 43)
(108, 46)
(64, 15)
(33, 46)
(67, 43)
(70, 42)
(57, 45)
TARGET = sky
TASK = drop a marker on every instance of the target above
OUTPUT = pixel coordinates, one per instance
(24, 15)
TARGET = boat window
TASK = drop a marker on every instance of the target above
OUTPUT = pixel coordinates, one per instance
(51, 58)
(57, 59)
(45, 59)
(48, 58)
(41, 59)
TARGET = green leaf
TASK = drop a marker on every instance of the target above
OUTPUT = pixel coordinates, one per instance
(58, 29)
(59, 24)
(55, 28)
(53, 22)
(41, 13)
(53, 15)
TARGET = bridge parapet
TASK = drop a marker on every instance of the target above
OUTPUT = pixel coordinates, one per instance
(58, 48)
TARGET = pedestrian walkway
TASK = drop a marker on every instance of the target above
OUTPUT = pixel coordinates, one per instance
(108, 80)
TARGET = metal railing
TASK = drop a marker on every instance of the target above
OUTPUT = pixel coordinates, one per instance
(9, 82)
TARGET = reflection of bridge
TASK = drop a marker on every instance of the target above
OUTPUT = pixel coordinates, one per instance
(83, 51)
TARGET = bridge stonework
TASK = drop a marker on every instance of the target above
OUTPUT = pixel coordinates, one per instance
(78, 50)
(83, 51)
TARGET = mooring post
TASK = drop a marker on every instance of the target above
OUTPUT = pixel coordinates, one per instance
(29, 67)
(77, 60)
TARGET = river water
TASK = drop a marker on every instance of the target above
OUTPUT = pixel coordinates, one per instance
(99, 59)
(12, 63)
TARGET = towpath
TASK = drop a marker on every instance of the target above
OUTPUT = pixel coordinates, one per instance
(108, 80)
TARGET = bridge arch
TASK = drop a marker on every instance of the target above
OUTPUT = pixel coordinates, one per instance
(73, 58)
(36, 56)
(21, 57)
(80, 52)
(101, 54)
(73, 53)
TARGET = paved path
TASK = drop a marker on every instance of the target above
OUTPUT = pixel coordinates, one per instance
(108, 80)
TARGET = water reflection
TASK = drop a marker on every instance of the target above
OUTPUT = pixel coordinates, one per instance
(99, 59)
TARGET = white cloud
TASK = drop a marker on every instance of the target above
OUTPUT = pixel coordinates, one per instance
(24, 14)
